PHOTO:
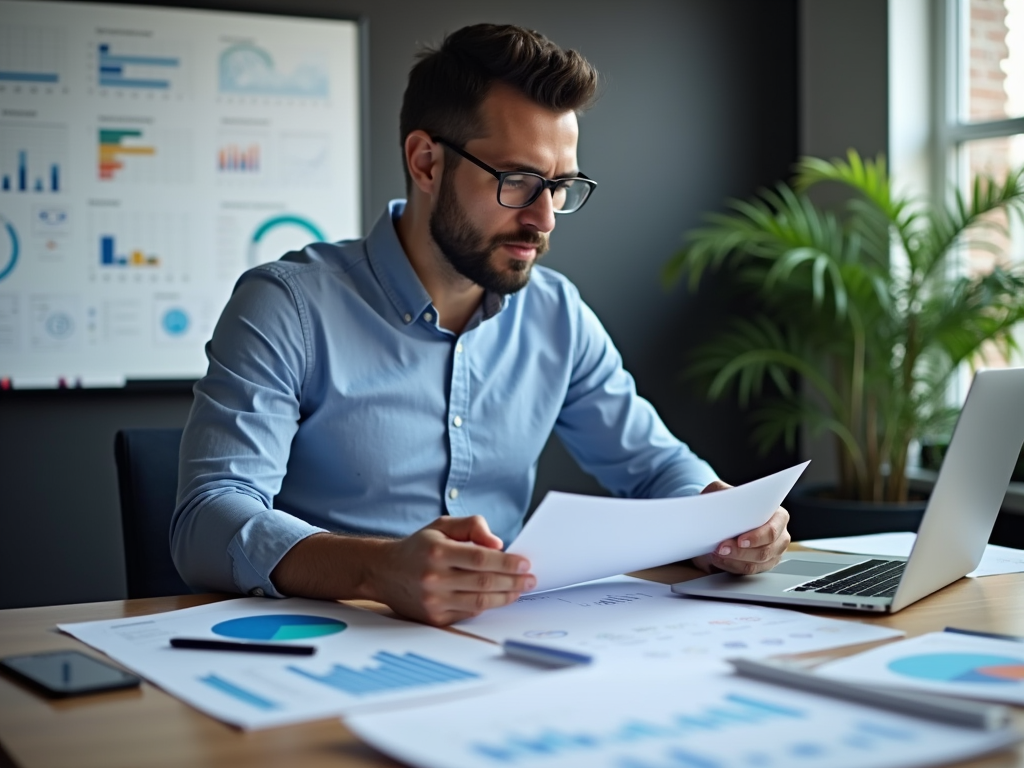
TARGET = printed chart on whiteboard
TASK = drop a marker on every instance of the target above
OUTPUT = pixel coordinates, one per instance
(148, 157)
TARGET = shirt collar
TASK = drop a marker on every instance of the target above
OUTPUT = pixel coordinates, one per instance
(396, 275)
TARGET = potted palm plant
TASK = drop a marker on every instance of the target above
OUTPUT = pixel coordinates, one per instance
(859, 322)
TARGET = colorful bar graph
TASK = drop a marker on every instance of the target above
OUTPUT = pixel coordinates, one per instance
(135, 258)
(112, 148)
(393, 672)
(112, 70)
(233, 158)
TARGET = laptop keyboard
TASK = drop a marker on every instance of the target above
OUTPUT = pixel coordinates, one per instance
(872, 578)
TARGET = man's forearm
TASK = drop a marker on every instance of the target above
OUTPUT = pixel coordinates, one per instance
(330, 567)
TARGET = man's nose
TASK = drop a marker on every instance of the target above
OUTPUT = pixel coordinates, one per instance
(540, 214)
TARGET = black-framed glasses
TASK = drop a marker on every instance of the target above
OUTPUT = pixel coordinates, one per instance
(520, 189)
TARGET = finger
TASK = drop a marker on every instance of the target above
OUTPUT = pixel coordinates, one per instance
(473, 529)
(472, 557)
(715, 485)
(487, 581)
(766, 534)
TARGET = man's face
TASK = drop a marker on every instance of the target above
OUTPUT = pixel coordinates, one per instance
(493, 246)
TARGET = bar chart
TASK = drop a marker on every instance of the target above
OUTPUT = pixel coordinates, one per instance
(392, 672)
(142, 154)
(140, 242)
(132, 67)
(31, 55)
(239, 159)
(109, 256)
(32, 158)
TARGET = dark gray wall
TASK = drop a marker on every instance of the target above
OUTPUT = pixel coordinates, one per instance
(699, 104)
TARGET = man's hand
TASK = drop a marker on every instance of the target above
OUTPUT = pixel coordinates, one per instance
(752, 552)
(450, 570)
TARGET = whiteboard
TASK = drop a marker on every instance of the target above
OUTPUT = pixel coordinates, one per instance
(148, 157)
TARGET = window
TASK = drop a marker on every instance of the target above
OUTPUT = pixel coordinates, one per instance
(980, 107)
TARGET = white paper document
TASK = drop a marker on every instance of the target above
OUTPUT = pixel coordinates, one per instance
(994, 561)
(572, 538)
(623, 618)
(619, 718)
(362, 661)
(941, 662)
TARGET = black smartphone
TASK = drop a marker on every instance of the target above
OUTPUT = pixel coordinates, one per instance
(67, 673)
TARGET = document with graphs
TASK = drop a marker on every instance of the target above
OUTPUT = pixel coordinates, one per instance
(623, 718)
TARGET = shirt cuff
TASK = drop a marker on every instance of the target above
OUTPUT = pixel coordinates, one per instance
(259, 546)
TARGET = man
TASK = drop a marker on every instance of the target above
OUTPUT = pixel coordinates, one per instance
(397, 391)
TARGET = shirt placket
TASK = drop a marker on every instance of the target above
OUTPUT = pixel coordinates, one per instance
(458, 432)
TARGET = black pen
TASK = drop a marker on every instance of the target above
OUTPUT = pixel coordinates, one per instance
(202, 644)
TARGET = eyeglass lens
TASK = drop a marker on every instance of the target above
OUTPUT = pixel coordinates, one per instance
(520, 189)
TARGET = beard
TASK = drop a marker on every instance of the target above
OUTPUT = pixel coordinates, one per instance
(471, 254)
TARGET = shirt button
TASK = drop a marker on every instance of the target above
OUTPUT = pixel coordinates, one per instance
(458, 348)
(257, 592)
(428, 317)
(457, 421)
(407, 317)
(453, 493)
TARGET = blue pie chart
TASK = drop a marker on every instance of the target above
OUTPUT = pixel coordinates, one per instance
(283, 626)
(961, 668)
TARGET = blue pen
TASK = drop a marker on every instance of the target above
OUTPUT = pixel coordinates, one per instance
(540, 654)
(993, 635)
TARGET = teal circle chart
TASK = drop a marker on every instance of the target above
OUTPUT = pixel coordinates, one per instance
(9, 250)
(175, 321)
(961, 668)
(281, 626)
(284, 220)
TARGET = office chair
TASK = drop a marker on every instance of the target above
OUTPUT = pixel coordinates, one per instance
(147, 478)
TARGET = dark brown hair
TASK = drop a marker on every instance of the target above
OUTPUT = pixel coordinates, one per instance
(447, 84)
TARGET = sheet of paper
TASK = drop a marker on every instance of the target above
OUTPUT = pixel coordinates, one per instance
(628, 619)
(619, 718)
(572, 538)
(363, 660)
(994, 561)
(941, 662)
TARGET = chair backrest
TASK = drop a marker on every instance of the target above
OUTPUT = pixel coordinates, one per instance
(147, 475)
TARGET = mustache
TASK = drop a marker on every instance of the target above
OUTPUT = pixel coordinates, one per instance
(523, 237)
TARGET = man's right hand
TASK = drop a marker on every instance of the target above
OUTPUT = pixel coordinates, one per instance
(450, 570)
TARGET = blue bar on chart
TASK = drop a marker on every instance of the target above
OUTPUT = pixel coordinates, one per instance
(239, 693)
(30, 77)
(24, 180)
(116, 71)
(110, 258)
(393, 672)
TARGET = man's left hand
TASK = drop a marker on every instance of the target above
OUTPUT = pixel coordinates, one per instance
(751, 552)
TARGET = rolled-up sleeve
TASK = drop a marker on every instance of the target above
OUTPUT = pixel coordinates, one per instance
(225, 533)
(615, 434)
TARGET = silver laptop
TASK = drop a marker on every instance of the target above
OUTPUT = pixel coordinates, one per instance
(954, 530)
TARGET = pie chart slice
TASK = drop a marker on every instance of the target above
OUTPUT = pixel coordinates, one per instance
(284, 626)
(961, 668)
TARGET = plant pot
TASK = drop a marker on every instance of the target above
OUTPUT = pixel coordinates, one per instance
(815, 514)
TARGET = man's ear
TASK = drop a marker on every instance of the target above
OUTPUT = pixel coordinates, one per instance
(425, 161)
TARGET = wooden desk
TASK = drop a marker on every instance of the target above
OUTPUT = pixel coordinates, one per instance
(146, 727)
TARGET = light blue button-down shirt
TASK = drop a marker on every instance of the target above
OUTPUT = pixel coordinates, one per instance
(335, 401)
